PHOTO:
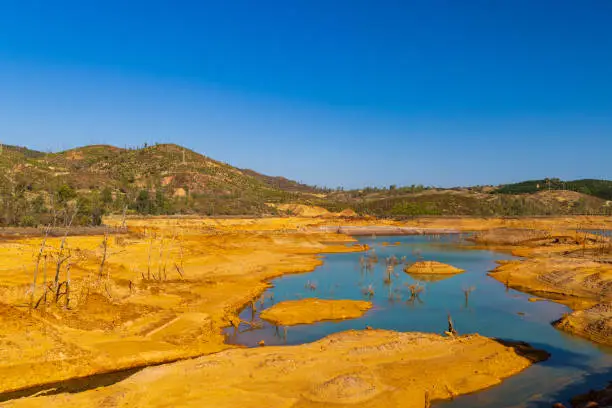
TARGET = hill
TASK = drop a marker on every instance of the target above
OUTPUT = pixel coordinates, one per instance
(82, 184)
(162, 179)
(465, 201)
(596, 188)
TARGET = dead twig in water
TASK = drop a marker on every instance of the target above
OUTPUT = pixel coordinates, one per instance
(466, 293)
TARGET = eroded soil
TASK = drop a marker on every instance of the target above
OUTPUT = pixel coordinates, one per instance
(567, 266)
(371, 368)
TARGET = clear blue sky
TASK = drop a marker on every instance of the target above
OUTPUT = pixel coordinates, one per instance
(329, 92)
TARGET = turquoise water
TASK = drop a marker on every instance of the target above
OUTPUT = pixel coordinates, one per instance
(491, 310)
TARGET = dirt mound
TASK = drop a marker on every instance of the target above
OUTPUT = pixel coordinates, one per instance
(307, 311)
(347, 213)
(594, 323)
(432, 268)
(558, 276)
(347, 388)
(301, 210)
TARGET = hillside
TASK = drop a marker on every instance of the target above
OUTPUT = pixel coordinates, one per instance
(158, 179)
(39, 188)
(597, 188)
(409, 202)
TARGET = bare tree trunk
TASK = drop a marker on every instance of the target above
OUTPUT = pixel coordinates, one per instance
(40, 254)
(60, 261)
(67, 285)
(123, 218)
(45, 277)
(160, 259)
(104, 250)
(149, 263)
(451, 326)
(60, 258)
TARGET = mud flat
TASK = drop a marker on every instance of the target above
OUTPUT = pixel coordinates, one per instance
(306, 311)
(432, 268)
(371, 368)
(594, 323)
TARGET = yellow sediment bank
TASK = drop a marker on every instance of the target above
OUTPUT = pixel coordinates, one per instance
(594, 323)
(355, 368)
(307, 311)
(163, 293)
(432, 268)
(566, 266)
(168, 287)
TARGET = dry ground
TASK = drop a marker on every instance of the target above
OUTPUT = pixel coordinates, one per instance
(370, 369)
(149, 304)
(170, 285)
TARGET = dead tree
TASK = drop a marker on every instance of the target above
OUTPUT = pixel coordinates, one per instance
(415, 291)
(61, 258)
(149, 262)
(67, 284)
(181, 254)
(451, 327)
(160, 259)
(123, 217)
(466, 293)
(40, 254)
(104, 252)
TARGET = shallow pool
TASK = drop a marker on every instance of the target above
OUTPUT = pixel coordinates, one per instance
(490, 309)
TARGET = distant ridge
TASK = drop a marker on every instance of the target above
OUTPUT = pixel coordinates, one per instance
(157, 179)
(596, 188)
(38, 188)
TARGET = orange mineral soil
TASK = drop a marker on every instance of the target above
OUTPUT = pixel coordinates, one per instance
(432, 268)
(371, 368)
(306, 311)
(164, 290)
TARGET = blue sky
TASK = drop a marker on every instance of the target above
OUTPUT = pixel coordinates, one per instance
(341, 92)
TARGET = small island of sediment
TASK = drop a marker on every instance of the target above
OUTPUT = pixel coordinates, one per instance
(432, 268)
(306, 311)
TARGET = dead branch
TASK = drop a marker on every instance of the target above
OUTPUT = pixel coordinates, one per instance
(104, 252)
(149, 262)
(40, 254)
(451, 326)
